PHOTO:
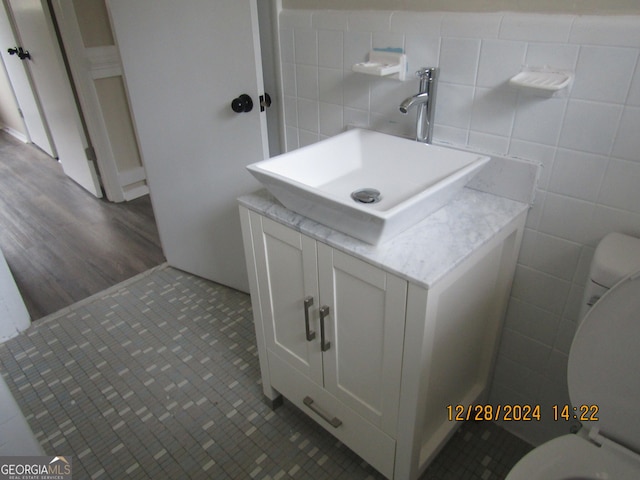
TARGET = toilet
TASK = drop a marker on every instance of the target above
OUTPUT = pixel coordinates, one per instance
(603, 370)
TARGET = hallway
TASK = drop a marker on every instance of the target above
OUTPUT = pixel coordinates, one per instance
(61, 243)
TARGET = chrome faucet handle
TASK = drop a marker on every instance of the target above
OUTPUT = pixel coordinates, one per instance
(426, 72)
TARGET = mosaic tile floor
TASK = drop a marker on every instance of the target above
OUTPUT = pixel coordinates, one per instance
(158, 377)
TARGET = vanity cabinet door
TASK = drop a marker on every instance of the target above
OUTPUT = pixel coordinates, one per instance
(365, 329)
(287, 276)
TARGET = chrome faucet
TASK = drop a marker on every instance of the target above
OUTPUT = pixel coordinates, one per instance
(425, 99)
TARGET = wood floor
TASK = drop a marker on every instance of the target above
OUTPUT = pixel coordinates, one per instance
(61, 243)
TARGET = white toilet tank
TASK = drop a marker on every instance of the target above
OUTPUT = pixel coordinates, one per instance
(617, 255)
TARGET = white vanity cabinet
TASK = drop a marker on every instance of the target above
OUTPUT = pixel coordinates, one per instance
(372, 356)
(333, 329)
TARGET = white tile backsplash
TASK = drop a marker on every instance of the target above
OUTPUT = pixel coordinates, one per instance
(540, 289)
(555, 256)
(536, 28)
(608, 219)
(621, 186)
(536, 323)
(543, 154)
(471, 25)
(357, 46)
(565, 335)
(305, 46)
(535, 212)
(294, 18)
(494, 111)
(331, 121)
(634, 91)
(566, 217)
(604, 73)
(487, 142)
(555, 55)
(578, 174)
(331, 85)
(308, 111)
(330, 20)
(507, 177)
(382, 40)
(330, 49)
(288, 75)
(590, 126)
(524, 350)
(627, 142)
(451, 135)
(614, 31)
(459, 60)
(586, 140)
(456, 111)
(307, 138)
(307, 81)
(539, 120)
(369, 21)
(287, 54)
(356, 118)
(499, 61)
(422, 49)
(381, 90)
(409, 23)
(520, 377)
(356, 91)
(290, 106)
(557, 365)
(291, 134)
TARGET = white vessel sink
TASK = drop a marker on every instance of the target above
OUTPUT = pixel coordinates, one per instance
(414, 180)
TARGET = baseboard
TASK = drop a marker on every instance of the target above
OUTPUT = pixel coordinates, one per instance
(16, 134)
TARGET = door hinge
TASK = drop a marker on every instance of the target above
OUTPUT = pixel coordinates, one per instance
(265, 101)
(90, 153)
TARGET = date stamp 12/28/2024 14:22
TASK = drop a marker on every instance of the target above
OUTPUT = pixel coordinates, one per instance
(521, 413)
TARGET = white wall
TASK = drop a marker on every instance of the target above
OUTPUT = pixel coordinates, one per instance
(588, 142)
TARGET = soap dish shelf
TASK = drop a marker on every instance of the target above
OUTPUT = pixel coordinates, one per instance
(384, 63)
(544, 81)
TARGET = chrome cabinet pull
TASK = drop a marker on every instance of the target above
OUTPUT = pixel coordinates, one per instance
(308, 301)
(335, 422)
(324, 344)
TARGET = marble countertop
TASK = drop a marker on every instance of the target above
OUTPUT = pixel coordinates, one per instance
(427, 251)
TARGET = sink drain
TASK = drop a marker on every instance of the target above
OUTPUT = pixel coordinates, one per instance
(366, 195)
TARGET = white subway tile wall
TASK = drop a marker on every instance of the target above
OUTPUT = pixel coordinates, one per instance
(587, 141)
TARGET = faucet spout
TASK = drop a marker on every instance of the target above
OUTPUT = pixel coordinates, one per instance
(414, 100)
(425, 101)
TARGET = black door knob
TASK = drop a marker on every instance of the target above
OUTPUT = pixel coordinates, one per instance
(242, 104)
(20, 52)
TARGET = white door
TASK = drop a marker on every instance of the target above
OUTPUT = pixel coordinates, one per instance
(36, 35)
(184, 62)
(37, 129)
